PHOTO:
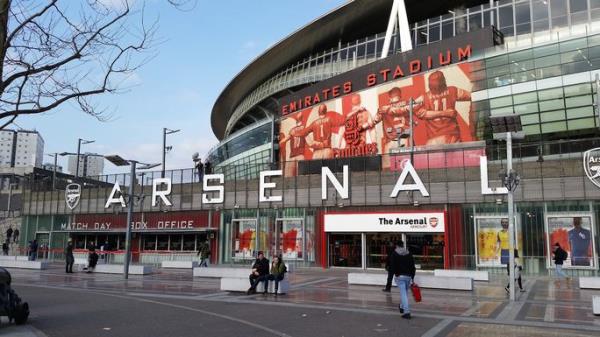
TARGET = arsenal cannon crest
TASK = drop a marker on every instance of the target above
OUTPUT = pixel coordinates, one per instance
(72, 195)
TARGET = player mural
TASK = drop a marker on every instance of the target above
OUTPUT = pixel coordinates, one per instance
(491, 239)
(575, 235)
(377, 120)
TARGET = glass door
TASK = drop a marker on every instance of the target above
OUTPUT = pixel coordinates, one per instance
(345, 250)
(428, 250)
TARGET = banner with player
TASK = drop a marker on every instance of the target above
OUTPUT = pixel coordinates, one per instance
(575, 234)
(491, 241)
(377, 120)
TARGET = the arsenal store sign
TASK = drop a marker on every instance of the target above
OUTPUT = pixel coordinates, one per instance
(142, 222)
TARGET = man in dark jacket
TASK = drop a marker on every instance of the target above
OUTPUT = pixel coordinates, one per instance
(70, 259)
(403, 266)
(390, 251)
(560, 255)
(260, 272)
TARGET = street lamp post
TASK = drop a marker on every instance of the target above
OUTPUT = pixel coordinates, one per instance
(166, 132)
(509, 128)
(79, 143)
(55, 155)
(119, 161)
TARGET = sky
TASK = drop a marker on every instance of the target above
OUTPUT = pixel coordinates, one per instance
(200, 51)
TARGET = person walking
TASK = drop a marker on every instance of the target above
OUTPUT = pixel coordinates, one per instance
(403, 267)
(200, 169)
(390, 251)
(517, 276)
(16, 235)
(9, 233)
(92, 260)
(70, 259)
(560, 255)
(260, 272)
(204, 253)
(33, 250)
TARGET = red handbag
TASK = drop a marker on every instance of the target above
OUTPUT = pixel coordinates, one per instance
(416, 291)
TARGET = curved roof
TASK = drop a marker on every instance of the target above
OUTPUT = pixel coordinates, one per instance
(356, 19)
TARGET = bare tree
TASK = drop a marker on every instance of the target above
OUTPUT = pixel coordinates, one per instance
(56, 52)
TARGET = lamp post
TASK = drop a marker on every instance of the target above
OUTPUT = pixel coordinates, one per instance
(166, 132)
(79, 143)
(55, 155)
(509, 128)
(119, 161)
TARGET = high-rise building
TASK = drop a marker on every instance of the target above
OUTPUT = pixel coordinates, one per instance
(90, 164)
(22, 148)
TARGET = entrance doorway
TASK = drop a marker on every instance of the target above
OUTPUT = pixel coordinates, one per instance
(345, 250)
(428, 250)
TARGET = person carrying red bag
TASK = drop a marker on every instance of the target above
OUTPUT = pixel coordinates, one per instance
(403, 266)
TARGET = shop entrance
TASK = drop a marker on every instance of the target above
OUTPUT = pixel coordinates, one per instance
(345, 250)
(428, 250)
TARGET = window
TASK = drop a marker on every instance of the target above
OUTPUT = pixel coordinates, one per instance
(558, 8)
(189, 242)
(149, 242)
(162, 242)
(506, 20)
(523, 18)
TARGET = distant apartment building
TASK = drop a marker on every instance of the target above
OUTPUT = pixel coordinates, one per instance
(22, 148)
(90, 164)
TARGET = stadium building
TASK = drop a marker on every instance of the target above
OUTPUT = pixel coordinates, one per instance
(378, 122)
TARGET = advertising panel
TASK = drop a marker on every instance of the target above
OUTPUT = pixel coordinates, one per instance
(413, 222)
(291, 238)
(377, 120)
(244, 238)
(491, 241)
(575, 234)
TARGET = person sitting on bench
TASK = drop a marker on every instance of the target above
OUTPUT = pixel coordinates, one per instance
(260, 272)
(278, 270)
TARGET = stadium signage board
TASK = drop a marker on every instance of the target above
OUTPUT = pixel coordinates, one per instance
(424, 58)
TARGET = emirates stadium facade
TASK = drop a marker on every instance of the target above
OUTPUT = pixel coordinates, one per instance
(357, 130)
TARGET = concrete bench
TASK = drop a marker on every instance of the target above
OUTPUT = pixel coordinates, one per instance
(180, 264)
(476, 275)
(222, 272)
(239, 284)
(596, 304)
(24, 264)
(118, 269)
(14, 258)
(589, 282)
(80, 263)
(424, 281)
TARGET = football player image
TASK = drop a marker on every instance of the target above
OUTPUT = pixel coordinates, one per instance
(439, 112)
(395, 118)
(322, 128)
(579, 240)
(297, 142)
(502, 242)
(358, 116)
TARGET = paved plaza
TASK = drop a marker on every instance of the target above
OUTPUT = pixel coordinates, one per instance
(320, 303)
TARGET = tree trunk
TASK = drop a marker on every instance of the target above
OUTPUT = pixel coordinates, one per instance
(4, 11)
